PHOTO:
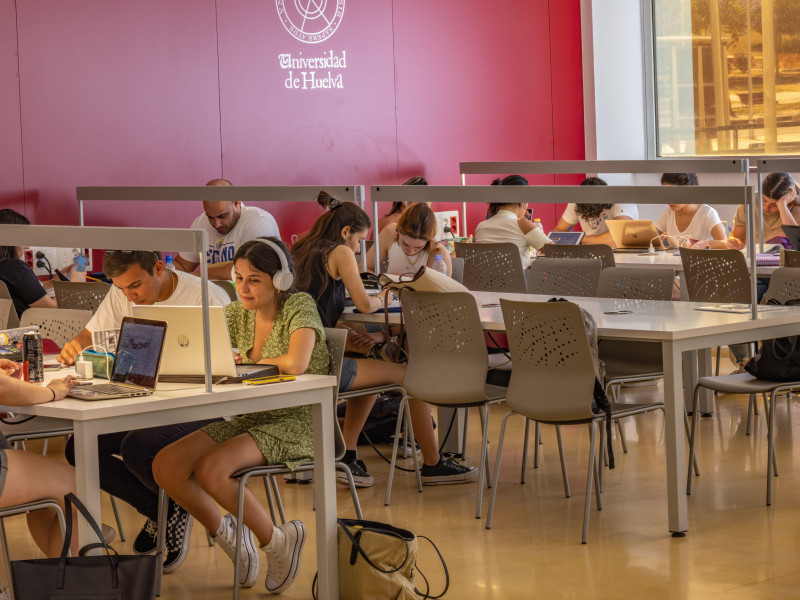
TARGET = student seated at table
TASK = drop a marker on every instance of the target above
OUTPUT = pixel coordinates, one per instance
(125, 458)
(507, 223)
(593, 217)
(269, 324)
(779, 206)
(695, 225)
(411, 244)
(393, 216)
(25, 288)
(326, 267)
(27, 476)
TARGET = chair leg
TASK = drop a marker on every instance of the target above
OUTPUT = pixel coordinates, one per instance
(401, 414)
(277, 494)
(270, 499)
(693, 438)
(688, 439)
(750, 404)
(464, 434)
(237, 558)
(120, 528)
(537, 434)
(352, 485)
(45, 446)
(719, 353)
(161, 538)
(484, 464)
(563, 462)
(591, 474)
(603, 456)
(770, 445)
(497, 469)
(525, 451)
(616, 390)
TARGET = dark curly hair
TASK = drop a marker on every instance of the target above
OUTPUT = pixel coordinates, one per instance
(591, 211)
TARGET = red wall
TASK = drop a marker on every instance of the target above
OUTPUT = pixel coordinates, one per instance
(179, 92)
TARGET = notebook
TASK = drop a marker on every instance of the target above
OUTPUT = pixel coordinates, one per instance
(567, 238)
(184, 361)
(136, 363)
(634, 234)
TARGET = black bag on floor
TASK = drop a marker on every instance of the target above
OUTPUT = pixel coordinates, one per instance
(105, 577)
(778, 359)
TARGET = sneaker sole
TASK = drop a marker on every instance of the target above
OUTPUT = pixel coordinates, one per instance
(296, 551)
(175, 565)
(360, 482)
(252, 552)
(140, 553)
(450, 479)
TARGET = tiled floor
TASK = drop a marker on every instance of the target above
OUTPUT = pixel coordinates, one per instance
(736, 548)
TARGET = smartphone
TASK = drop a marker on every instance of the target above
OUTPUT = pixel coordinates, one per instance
(529, 214)
(81, 261)
(51, 366)
(271, 379)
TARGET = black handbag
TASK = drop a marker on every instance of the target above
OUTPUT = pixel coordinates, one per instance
(104, 577)
(778, 359)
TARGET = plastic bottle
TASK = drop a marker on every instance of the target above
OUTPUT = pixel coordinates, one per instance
(537, 223)
(168, 262)
(439, 265)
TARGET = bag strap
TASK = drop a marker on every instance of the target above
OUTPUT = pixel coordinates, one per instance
(71, 500)
(426, 595)
(357, 549)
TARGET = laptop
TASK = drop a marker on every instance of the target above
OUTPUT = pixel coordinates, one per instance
(634, 235)
(184, 361)
(566, 238)
(136, 362)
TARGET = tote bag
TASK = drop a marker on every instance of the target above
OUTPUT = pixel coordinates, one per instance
(105, 577)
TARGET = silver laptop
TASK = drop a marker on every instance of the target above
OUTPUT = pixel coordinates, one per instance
(136, 362)
(183, 360)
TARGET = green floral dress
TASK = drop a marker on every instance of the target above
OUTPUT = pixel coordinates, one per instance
(283, 435)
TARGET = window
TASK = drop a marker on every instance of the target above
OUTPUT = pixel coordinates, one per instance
(727, 77)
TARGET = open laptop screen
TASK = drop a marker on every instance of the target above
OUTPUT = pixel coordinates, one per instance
(139, 348)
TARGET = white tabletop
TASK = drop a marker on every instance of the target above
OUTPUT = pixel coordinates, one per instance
(667, 260)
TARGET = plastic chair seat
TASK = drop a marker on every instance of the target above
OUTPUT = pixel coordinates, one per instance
(744, 383)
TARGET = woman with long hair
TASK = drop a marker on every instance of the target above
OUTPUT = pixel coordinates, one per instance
(394, 214)
(779, 207)
(326, 267)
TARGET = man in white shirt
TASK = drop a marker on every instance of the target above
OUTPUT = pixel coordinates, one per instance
(140, 277)
(229, 225)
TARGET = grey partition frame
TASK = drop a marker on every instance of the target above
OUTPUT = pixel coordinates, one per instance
(202, 193)
(121, 238)
(588, 194)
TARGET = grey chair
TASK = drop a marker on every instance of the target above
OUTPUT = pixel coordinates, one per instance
(81, 295)
(784, 285)
(553, 380)
(229, 288)
(790, 258)
(57, 324)
(458, 269)
(8, 314)
(564, 276)
(639, 284)
(13, 317)
(601, 251)
(491, 267)
(447, 366)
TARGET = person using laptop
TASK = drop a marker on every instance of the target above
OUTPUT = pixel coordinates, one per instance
(125, 458)
(696, 225)
(27, 476)
(229, 224)
(326, 267)
(271, 323)
(506, 223)
(592, 217)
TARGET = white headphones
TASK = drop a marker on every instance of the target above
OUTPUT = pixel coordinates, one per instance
(283, 279)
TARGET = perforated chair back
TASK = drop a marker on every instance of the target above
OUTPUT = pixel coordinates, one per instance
(6, 310)
(784, 285)
(790, 258)
(81, 295)
(639, 284)
(601, 251)
(57, 324)
(229, 288)
(13, 317)
(553, 375)
(458, 269)
(716, 275)
(491, 267)
(447, 357)
(564, 276)
(336, 340)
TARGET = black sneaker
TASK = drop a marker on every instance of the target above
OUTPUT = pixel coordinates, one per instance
(179, 530)
(361, 478)
(447, 472)
(146, 541)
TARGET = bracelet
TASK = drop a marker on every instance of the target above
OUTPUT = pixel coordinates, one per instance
(54, 394)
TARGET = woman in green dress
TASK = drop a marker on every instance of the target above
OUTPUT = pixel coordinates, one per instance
(269, 324)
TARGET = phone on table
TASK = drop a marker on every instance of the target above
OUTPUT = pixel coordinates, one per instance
(51, 366)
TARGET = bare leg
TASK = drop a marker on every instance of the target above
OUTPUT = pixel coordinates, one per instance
(34, 477)
(423, 431)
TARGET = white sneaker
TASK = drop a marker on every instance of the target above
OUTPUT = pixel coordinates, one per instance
(283, 554)
(249, 561)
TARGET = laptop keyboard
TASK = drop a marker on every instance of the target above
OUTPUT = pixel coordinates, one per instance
(110, 388)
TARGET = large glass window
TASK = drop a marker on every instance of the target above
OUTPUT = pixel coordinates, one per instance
(727, 77)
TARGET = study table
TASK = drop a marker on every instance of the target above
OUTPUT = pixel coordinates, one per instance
(179, 403)
(668, 260)
(679, 327)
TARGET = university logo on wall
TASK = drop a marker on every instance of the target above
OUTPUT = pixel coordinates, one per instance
(310, 21)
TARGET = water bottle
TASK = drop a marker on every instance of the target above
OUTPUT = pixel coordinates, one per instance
(537, 223)
(168, 263)
(439, 265)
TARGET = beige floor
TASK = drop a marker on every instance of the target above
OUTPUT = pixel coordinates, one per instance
(736, 547)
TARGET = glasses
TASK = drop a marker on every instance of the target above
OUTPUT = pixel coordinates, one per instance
(412, 249)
